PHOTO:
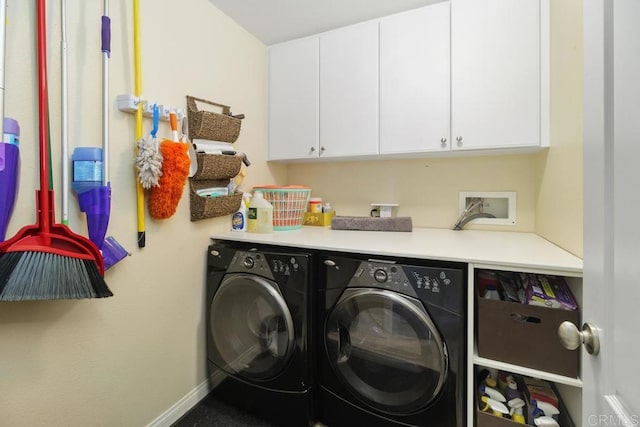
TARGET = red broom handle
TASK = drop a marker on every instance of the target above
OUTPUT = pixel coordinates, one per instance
(44, 215)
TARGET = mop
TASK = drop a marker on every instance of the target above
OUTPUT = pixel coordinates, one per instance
(9, 150)
(96, 201)
(47, 260)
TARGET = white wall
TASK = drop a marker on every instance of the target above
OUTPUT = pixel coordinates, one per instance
(123, 360)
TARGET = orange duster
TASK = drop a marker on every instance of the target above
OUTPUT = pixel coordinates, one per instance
(164, 199)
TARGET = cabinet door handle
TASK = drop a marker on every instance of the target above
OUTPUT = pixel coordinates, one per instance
(443, 141)
(312, 149)
(321, 150)
(459, 140)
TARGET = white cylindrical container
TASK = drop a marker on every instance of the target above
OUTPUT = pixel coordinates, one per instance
(259, 214)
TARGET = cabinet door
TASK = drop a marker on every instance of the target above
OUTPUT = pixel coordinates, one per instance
(495, 64)
(293, 100)
(415, 81)
(349, 91)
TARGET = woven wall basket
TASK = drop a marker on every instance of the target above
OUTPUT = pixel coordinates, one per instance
(214, 170)
(211, 207)
(204, 124)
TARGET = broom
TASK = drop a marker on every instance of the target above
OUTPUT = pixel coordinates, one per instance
(47, 260)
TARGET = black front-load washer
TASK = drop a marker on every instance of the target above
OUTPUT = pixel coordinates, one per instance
(393, 335)
(258, 328)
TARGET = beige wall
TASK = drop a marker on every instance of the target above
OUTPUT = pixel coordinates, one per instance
(427, 190)
(559, 215)
(123, 361)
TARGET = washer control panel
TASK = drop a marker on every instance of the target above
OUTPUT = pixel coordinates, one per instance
(269, 265)
(441, 286)
(250, 262)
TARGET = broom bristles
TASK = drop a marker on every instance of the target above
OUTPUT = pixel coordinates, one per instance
(27, 276)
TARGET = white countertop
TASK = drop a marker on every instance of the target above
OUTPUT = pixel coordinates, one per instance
(509, 249)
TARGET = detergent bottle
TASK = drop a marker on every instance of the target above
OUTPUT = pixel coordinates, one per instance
(239, 218)
(259, 214)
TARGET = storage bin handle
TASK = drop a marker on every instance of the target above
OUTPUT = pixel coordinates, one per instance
(524, 318)
(191, 105)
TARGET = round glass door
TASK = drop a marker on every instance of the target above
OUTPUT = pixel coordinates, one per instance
(251, 327)
(386, 350)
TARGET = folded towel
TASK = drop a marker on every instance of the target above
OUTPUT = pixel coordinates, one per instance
(366, 223)
(211, 147)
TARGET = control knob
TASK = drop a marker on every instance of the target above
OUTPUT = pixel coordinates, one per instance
(380, 275)
(249, 262)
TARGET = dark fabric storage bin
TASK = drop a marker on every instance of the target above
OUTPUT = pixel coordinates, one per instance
(525, 335)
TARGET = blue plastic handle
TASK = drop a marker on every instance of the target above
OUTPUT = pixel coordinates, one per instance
(156, 120)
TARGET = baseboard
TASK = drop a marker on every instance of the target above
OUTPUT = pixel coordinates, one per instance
(173, 414)
(182, 406)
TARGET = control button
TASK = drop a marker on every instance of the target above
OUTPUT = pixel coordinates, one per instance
(394, 269)
(380, 275)
(249, 262)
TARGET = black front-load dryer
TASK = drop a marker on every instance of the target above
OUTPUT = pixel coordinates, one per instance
(258, 327)
(393, 340)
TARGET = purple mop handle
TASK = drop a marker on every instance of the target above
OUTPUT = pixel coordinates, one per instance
(106, 35)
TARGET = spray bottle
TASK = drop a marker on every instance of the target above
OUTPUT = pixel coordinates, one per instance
(239, 218)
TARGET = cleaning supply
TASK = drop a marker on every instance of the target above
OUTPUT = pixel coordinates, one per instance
(239, 218)
(491, 293)
(511, 392)
(546, 422)
(492, 393)
(517, 410)
(148, 157)
(9, 172)
(47, 260)
(91, 167)
(493, 406)
(137, 92)
(315, 205)
(164, 199)
(87, 168)
(259, 214)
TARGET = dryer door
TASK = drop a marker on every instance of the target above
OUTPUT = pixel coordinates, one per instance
(251, 326)
(386, 350)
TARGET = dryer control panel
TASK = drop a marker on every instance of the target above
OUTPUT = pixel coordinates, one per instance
(439, 286)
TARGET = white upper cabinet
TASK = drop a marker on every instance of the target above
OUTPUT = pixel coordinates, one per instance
(415, 81)
(293, 100)
(461, 75)
(499, 73)
(349, 91)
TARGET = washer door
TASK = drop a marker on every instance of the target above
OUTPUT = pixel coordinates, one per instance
(386, 350)
(251, 326)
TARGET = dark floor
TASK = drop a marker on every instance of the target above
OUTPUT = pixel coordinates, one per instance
(210, 412)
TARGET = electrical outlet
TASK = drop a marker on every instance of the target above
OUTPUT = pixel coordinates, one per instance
(502, 205)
